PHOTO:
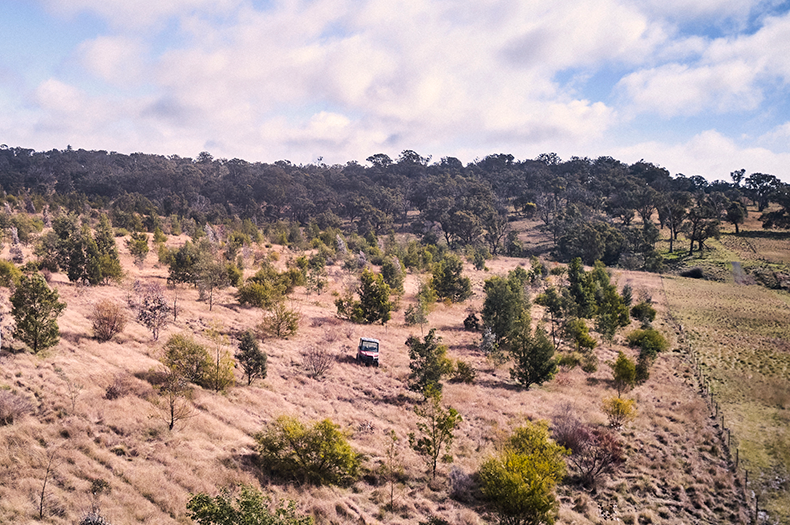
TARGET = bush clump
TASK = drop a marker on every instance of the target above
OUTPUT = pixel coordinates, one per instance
(9, 274)
(644, 313)
(109, 319)
(519, 482)
(649, 341)
(317, 453)
(261, 295)
(280, 321)
(464, 373)
(188, 359)
(250, 506)
(619, 410)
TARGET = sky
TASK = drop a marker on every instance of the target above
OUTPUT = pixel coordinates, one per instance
(699, 87)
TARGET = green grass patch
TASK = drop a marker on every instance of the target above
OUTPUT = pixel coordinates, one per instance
(741, 335)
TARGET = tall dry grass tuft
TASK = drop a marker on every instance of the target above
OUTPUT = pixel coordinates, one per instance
(13, 407)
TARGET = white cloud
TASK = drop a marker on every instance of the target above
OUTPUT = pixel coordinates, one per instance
(677, 89)
(683, 10)
(136, 14)
(582, 34)
(344, 79)
(730, 75)
(114, 59)
(778, 138)
(710, 154)
(54, 95)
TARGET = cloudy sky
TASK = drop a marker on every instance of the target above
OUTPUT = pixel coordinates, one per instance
(697, 86)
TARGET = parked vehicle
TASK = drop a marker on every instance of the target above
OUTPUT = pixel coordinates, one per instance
(368, 351)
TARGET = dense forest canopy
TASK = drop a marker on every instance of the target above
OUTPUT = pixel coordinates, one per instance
(576, 199)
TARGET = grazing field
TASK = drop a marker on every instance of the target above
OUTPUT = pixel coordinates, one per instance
(676, 470)
(741, 335)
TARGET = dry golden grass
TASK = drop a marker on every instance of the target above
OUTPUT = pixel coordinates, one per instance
(672, 474)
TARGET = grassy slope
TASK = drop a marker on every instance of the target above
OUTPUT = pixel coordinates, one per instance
(741, 335)
(676, 472)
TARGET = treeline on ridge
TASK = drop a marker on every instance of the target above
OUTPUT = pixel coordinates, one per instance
(588, 206)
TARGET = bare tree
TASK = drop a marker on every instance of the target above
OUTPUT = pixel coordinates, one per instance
(173, 401)
(49, 468)
(318, 360)
(74, 389)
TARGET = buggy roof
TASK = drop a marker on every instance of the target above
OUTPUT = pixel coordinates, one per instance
(368, 340)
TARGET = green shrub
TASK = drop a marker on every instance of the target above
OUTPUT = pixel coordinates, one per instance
(619, 410)
(519, 482)
(280, 321)
(448, 281)
(643, 364)
(374, 303)
(624, 371)
(428, 362)
(589, 363)
(35, 311)
(569, 360)
(235, 275)
(643, 312)
(578, 333)
(416, 314)
(187, 358)
(262, 295)
(650, 341)
(437, 427)
(249, 507)
(251, 358)
(393, 273)
(319, 453)
(464, 373)
(9, 274)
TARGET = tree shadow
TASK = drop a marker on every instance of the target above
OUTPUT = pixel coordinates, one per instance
(763, 234)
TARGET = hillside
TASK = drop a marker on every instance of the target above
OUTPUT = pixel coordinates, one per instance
(677, 468)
